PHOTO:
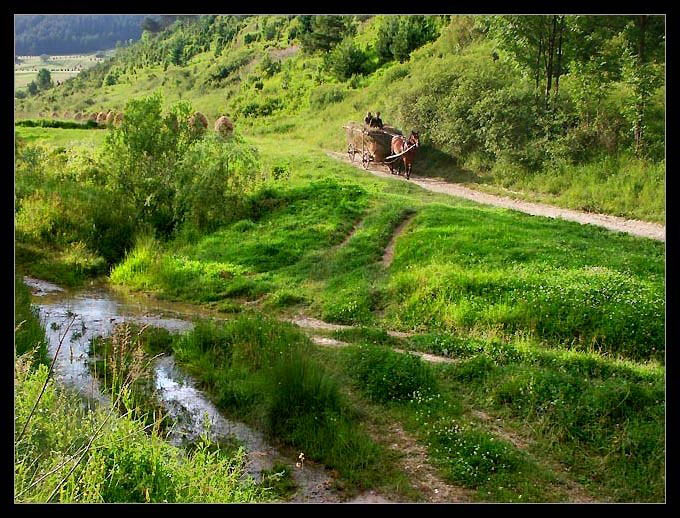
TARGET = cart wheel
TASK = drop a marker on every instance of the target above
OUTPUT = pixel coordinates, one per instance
(365, 160)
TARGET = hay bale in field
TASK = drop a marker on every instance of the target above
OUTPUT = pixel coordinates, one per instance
(109, 118)
(41, 115)
(101, 118)
(67, 114)
(78, 116)
(118, 119)
(55, 115)
(224, 127)
(93, 116)
(198, 122)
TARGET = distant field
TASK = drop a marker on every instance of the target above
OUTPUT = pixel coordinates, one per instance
(61, 137)
(60, 67)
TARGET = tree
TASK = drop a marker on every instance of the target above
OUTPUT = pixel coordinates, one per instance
(345, 60)
(32, 88)
(646, 36)
(324, 32)
(44, 79)
(398, 36)
(151, 25)
(386, 30)
(176, 52)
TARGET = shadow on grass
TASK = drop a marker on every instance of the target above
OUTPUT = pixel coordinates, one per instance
(433, 163)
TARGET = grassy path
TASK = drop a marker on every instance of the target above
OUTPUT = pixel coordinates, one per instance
(617, 224)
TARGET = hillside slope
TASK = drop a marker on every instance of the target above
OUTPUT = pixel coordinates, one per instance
(480, 121)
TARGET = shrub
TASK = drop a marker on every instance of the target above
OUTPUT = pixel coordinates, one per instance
(345, 60)
(325, 95)
(211, 181)
(250, 37)
(143, 154)
(399, 35)
(47, 123)
(268, 67)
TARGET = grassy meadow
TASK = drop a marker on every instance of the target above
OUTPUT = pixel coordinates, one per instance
(553, 332)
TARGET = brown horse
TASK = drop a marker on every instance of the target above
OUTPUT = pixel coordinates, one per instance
(399, 144)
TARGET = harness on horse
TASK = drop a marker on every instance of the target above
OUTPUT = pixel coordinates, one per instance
(392, 158)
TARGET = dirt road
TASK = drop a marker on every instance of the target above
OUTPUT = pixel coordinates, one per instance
(630, 226)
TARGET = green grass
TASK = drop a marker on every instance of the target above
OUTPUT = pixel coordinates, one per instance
(459, 268)
(603, 420)
(29, 335)
(606, 422)
(125, 462)
(265, 373)
(60, 136)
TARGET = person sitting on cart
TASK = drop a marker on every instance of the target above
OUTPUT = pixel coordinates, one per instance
(377, 121)
(369, 119)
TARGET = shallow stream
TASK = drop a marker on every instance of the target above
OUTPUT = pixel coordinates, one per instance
(76, 317)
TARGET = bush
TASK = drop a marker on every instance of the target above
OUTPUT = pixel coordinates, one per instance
(269, 67)
(345, 60)
(143, 155)
(213, 177)
(399, 35)
(235, 61)
(325, 95)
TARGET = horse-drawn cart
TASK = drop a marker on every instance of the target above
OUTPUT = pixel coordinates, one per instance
(373, 144)
(379, 145)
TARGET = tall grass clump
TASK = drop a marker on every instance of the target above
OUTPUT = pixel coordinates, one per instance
(69, 454)
(121, 364)
(385, 376)
(29, 334)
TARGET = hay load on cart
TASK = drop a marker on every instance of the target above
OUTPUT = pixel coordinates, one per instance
(372, 144)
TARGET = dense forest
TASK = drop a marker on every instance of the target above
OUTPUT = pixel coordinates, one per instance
(71, 34)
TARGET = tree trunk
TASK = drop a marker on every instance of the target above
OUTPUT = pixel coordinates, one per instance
(640, 107)
(551, 53)
(538, 59)
(559, 59)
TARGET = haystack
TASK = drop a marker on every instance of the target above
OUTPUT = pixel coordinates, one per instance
(101, 118)
(224, 127)
(198, 122)
(78, 116)
(110, 117)
(118, 119)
